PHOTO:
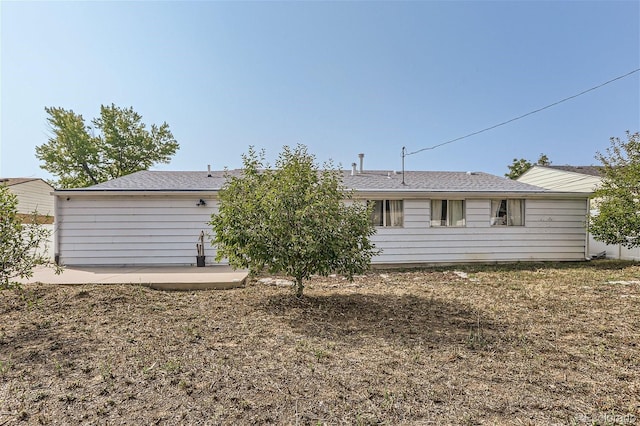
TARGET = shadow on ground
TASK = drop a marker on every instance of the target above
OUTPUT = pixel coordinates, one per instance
(403, 319)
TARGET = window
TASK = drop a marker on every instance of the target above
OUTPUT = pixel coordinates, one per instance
(507, 212)
(387, 212)
(448, 213)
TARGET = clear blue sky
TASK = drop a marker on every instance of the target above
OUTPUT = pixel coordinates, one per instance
(339, 77)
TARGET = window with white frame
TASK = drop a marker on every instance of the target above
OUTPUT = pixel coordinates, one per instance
(448, 213)
(507, 212)
(387, 213)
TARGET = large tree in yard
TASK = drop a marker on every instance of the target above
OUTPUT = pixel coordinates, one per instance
(520, 166)
(295, 219)
(618, 197)
(79, 157)
(23, 242)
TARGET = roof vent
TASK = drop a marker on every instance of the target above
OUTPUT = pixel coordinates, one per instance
(361, 157)
(208, 170)
(353, 169)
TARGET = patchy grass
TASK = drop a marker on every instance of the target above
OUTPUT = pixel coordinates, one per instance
(519, 344)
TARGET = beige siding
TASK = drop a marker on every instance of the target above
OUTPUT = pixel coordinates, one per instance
(554, 230)
(559, 180)
(132, 230)
(34, 195)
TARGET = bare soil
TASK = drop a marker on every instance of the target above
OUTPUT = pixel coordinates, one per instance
(521, 344)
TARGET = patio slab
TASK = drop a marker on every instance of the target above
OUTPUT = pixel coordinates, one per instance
(158, 277)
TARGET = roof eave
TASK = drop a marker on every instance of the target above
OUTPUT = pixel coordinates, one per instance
(105, 192)
(470, 194)
(369, 193)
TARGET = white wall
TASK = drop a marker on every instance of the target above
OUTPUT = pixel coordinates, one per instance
(613, 251)
(554, 230)
(132, 230)
(569, 181)
(163, 230)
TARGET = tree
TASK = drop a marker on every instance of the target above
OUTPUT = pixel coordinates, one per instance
(520, 166)
(294, 219)
(618, 196)
(79, 158)
(22, 245)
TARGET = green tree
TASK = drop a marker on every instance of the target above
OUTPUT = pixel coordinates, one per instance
(618, 196)
(79, 157)
(23, 246)
(294, 219)
(520, 166)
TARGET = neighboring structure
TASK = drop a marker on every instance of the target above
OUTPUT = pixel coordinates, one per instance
(582, 179)
(34, 195)
(563, 178)
(155, 217)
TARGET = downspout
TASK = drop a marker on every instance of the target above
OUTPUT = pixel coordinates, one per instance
(56, 225)
(587, 234)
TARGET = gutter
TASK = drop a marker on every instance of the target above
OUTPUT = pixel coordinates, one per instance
(408, 195)
(358, 194)
(138, 192)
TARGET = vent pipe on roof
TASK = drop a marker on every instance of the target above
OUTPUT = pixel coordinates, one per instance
(361, 157)
(404, 154)
(208, 170)
(353, 169)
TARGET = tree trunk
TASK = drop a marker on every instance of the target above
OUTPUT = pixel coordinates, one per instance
(299, 287)
(88, 171)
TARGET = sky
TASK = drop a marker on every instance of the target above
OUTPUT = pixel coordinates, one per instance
(340, 77)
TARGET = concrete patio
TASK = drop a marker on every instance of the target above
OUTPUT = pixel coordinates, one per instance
(217, 277)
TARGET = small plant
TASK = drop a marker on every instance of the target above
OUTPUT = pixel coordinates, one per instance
(105, 372)
(58, 368)
(5, 366)
(172, 366)
(30, 299)
(476, 338)
(320, 354)
(23, 244)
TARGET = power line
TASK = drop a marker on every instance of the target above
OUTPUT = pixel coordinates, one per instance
(523, 115)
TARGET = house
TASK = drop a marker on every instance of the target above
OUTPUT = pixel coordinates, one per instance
(34, 195)
(583, 179)
(563, 178)
(155, 217)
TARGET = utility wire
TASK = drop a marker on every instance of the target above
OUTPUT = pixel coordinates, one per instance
(524, 115)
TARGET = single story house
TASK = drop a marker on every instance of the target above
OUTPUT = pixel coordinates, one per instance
(155, 217)
(34, 195)
(584, 179)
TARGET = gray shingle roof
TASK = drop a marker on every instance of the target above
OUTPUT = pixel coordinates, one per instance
(15, 181)
(383, 181)
(435, 182)
(148, 180)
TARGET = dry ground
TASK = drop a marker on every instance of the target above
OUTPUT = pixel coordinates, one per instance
(520, 344)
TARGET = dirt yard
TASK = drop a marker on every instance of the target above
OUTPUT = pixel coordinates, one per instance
(524, 344)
